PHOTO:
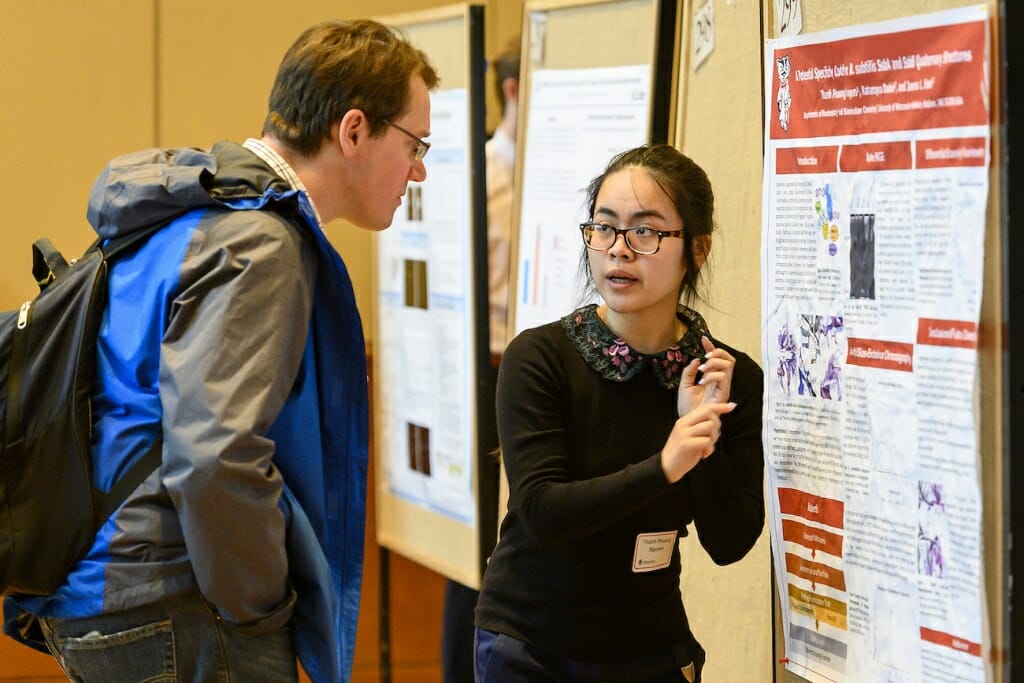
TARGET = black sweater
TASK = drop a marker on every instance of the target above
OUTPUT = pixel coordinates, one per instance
(582, 454)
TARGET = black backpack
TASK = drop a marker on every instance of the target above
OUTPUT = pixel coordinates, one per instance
(50, 510)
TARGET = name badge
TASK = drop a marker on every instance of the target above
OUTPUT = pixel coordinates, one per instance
(653, 551)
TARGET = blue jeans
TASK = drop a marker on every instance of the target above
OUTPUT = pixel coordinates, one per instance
(500, 658)
(175, 640)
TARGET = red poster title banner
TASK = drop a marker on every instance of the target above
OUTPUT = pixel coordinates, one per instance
(907, 80)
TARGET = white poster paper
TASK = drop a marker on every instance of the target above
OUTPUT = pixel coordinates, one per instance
(876, 182)
(579, 119)
(423, 360)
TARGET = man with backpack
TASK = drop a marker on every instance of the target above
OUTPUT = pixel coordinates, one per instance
(232, 334)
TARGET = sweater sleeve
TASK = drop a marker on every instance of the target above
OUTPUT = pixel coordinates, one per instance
(532, 427)
(229, 357)
(727, 488)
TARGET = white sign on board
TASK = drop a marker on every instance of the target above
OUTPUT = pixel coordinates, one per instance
(788, 18)
(703, 33)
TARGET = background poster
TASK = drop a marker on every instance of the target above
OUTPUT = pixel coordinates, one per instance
(579, 119)
(424, 299)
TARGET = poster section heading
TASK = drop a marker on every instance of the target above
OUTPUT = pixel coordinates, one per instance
(882, 156)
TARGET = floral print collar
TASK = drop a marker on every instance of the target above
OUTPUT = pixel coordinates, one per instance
(613, 359)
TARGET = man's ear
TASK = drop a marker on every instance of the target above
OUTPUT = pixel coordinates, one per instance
(352, 130)
(701, 245)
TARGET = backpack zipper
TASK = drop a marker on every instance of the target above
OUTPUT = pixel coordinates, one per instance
(26, 308)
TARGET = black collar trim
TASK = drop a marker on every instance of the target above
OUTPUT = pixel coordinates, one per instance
(613, 359)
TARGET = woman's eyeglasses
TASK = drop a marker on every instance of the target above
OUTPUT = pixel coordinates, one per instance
(640, 240)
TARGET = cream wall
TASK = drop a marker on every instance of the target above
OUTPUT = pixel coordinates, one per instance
(85, 81)
(73, 96)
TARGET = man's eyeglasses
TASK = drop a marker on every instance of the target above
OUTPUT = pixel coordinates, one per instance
(641, 239)
(422, 146)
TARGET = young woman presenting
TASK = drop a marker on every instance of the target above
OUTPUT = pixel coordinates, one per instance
(621, 425)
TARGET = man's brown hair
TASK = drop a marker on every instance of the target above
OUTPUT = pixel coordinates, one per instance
(337, 66)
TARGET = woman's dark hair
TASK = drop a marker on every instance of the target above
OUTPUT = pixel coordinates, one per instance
(687, 187)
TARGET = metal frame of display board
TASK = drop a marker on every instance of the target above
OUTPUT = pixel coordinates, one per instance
(1013, 281)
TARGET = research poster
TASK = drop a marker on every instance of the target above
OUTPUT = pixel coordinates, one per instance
(423, 361)
(578, 120)
(875, 190)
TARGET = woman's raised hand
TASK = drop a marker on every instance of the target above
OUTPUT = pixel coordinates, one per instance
(692, 439)
(700, 405)
(715, 381)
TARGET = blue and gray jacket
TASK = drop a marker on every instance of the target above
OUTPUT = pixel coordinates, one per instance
(233, 331)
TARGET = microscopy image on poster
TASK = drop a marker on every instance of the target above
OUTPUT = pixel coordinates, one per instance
(862, 256)
(811, 361)
(932, 529)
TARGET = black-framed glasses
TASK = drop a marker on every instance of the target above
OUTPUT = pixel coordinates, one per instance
(422, 146)
(641, 239)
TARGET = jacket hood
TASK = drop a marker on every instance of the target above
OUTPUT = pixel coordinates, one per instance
(151, 186)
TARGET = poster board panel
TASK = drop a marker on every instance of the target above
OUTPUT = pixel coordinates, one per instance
(821, 16)
(554, 38)
(718, 125)
(557, 35)
(429, 505)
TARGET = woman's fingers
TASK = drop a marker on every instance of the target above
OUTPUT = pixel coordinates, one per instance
(692, 439)
(705, 411)
(689, 377)
(690, 394)
(716, 377)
